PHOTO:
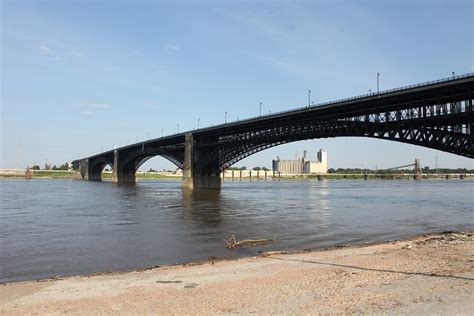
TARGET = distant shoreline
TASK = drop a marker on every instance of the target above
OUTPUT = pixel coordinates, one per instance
(61, 174)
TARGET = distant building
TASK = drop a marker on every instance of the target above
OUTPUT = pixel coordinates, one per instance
(302, 165)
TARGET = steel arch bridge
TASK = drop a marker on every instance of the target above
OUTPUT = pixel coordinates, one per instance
(436, 115)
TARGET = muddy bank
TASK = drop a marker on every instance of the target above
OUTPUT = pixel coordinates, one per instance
(427, 274)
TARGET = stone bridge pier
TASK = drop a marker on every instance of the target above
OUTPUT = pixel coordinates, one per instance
(87, 172)
(120, 173)
(200, 170)
(91, 168)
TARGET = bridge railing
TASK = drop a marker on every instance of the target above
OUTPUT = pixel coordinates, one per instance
(428, 83)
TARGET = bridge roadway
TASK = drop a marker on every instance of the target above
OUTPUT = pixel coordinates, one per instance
(436, 115)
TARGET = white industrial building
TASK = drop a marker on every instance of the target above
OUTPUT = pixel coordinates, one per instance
(302, 165)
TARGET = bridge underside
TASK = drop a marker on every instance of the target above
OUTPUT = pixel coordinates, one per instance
(439, 119)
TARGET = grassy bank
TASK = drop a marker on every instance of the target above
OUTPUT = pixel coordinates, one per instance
(52, 174)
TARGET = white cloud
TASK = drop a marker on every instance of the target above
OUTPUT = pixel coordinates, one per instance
(288, 66)
(87, 113)
(46, 50)
(102, 106)
(151, 106)
(89, 109)
(61, 52)
(77, 53)
(171, 47)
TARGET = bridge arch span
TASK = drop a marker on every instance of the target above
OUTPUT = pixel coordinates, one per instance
(98, 165)
(135, 159)
(231, 151)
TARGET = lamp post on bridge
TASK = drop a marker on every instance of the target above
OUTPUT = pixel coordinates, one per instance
(178, 127)
(260, 109)
(198, 123)
(225, 119)
(454, 75)
(309, 98)
(161, 132)
(378, 83)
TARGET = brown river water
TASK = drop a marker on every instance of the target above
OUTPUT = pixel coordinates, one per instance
(68, 227)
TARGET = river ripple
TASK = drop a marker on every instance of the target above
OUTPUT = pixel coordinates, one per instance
(66, 227)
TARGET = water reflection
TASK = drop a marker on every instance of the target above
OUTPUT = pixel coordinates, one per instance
(203, 206)
(322, 205)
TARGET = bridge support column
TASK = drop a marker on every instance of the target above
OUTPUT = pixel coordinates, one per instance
(193, 176)
(87, 173)
(119, 175)
(84, 168)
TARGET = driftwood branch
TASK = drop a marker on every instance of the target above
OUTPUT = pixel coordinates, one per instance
(231, 243)
(269, 253)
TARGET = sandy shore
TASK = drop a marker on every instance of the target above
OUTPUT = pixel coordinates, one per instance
(428, 275)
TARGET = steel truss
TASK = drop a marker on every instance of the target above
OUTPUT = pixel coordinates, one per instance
(436, 115)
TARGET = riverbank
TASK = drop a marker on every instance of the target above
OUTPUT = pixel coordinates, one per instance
(426, 274)
(63, 174)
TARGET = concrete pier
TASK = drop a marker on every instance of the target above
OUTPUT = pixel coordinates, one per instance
(118, 175)
(88, 172)
(193, 176)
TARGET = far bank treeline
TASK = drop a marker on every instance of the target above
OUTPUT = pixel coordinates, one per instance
(424, 170)
(64, 166)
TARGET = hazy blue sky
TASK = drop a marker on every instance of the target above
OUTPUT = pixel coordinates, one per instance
(81, 76)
